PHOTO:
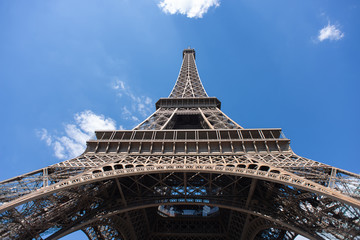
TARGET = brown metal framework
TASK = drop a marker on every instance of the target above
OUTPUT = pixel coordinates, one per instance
(186, 172)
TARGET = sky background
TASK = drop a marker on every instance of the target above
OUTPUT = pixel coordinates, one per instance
(69, 67)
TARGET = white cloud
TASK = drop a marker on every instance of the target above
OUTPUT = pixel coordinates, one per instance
(118, 84)
(89, 121)
(330, 32)
(73, 143)
(43, 134)
(190, 8)
(126, 111)
(129, 115)
(299, 237)
(140, 106)
(135, 119)
(59, 150)
(148, 101)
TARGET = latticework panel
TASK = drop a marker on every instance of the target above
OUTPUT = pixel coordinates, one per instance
(188, 83)
(140, 224)
(27, 183)
(157, 120)
(219, 120)
(188, 228)
(316, 172)
(209, 118)
(236, 224)
(99, 232)
(260, 228)
(285, 206)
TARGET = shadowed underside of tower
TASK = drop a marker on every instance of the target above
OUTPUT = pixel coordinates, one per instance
(188, 171)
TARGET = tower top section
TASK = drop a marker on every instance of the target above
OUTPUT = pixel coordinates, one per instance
(188, 84)
(189, 51)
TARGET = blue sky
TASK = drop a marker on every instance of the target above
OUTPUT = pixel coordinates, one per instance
(69, 67)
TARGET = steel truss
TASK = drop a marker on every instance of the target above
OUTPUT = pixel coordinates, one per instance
(186, 157)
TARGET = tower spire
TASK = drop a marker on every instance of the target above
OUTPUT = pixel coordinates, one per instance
(188, 84)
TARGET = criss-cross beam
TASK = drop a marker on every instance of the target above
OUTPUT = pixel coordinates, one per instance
(154, 189)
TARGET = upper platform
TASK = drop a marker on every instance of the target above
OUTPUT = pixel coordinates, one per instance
(188, 102)
(189, 51)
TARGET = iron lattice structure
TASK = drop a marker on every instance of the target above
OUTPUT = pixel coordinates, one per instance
(187, 172)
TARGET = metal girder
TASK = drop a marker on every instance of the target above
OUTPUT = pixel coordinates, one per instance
(248, 200)
(188, 83)
(285, 203)
(138, 165)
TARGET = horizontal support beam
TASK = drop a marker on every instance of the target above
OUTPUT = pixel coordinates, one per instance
(188, 102)
(188, 146)
(200, 202)
(189, 141)
(110, 172)
(198, 134)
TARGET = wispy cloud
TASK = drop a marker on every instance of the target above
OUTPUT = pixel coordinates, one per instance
(73, 142)
(140, 106)
(190, 8)
(330, 32)
(129, 115)
(299, 237)
(118, 85)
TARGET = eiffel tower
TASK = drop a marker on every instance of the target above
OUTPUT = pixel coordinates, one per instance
(188, 171)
